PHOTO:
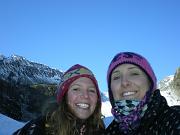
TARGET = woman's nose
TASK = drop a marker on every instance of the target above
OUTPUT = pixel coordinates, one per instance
(85, 94)
(125, 81)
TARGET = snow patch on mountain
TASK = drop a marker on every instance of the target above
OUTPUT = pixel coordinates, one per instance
(167, 91)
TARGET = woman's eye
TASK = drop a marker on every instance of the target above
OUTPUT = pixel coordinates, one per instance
(134, 73)
(75, 89)
(115, 77)
(92, 90)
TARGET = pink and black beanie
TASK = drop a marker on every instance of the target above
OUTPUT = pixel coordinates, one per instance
(71, 75)
(131, 58)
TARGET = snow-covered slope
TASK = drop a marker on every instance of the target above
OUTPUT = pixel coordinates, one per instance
(8, 125)
(168, 91)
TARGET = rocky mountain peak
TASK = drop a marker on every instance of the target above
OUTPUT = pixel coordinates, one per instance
(176, 83)
(19, 70)
(170, 88)
(2, 57)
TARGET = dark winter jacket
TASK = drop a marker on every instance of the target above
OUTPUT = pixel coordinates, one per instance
(159, 119)
(34, 127)
(38, 127)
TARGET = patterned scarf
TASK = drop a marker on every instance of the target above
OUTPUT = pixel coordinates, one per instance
(128, 114)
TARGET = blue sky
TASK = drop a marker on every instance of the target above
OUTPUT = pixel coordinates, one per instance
(90, 32)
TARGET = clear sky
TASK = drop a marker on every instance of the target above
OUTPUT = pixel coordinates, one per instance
(60, 33)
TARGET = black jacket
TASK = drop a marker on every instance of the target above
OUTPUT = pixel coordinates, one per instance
(159, 119)
(34, 127)
(39, 126)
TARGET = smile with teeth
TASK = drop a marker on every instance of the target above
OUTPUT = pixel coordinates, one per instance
(83, 105)
(129, 93)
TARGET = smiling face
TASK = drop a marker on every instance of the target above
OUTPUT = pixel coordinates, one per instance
(82, 97)
(128, 81)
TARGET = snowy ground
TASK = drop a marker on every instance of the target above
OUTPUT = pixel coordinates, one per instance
(8, 125)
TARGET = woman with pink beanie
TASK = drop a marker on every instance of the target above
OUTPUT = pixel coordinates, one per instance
(137, 105)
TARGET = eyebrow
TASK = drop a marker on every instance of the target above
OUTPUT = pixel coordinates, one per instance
(116, 71)
(74, 85)
(91, 86)
(133, 67)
